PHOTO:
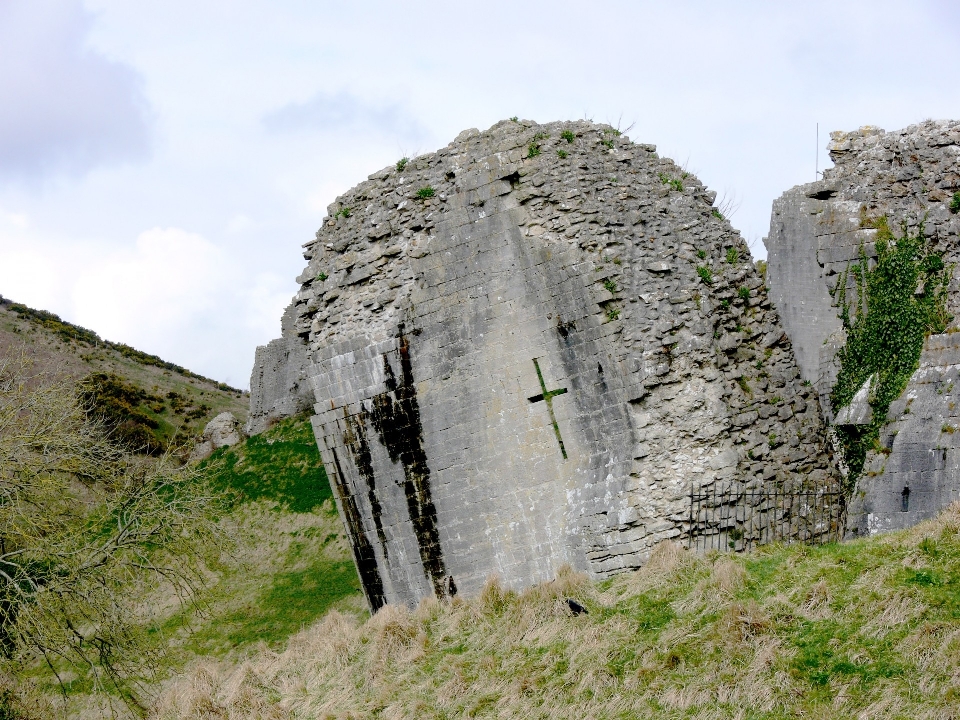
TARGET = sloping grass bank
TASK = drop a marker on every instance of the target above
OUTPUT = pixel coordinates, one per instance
(867, 629)
(292, 561)
(288, 565)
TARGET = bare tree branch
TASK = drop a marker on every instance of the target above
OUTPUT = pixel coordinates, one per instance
(85, 530)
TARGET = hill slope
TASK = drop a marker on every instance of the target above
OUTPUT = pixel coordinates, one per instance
(162, 404)
(862, 629)
(288, 564)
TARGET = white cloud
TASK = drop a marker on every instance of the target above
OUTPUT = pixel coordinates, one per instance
(238, 224)
(330, 112)
(168, 280)
(64, 106)
(171, 292)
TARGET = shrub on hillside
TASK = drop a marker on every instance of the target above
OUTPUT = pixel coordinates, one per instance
(85, 530)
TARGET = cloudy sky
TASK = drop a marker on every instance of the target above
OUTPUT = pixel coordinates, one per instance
(162, 163)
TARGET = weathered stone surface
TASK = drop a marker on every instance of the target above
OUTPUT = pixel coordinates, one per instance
(223, 431)
(517, 362)
(923, 438)
(858, 411)
(816, 231)
(279, 382)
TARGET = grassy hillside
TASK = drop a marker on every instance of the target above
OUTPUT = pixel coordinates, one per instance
(289, 564)
(867, 629)
(157, 404)
(292, 562)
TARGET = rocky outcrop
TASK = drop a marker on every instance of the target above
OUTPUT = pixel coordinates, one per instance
(529, 349)
(279, 384)
(223, 431)
(817, 232)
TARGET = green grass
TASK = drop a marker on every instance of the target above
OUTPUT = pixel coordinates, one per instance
(281, 465)
(869, 628)
(295, 563)
(292, 601)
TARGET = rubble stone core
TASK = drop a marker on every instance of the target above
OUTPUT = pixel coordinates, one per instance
(527, 349)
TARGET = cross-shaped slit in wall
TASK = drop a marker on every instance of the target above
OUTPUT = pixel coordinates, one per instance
(547, 397)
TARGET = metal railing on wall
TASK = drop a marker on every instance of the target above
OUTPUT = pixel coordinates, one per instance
(731, 518)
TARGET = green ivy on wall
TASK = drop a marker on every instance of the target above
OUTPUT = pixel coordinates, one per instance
(899, 301)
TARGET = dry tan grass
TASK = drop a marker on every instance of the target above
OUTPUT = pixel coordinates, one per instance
(719, 637)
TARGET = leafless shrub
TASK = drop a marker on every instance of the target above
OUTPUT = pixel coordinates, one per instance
(728, 204)
(85, 531)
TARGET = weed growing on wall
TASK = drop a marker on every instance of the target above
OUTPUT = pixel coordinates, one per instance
(898, 302)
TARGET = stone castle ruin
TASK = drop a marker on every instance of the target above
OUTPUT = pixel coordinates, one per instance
(530, 349)
(817, 234)
(543, 345)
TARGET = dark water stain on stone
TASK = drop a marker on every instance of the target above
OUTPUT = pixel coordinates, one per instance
(396, 417)
(355, 438)
(363, 553)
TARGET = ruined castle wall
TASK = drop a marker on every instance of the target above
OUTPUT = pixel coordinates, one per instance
(535, 361)
(279, 381)
(816, 231)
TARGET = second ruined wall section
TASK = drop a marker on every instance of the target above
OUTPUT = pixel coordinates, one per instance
(817, 232)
